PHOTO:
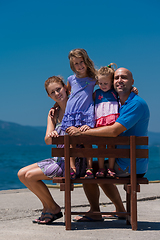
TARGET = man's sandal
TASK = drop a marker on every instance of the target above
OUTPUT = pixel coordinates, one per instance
(89, 173)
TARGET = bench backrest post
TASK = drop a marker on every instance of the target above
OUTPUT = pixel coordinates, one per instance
(133, 181)
(67, 182)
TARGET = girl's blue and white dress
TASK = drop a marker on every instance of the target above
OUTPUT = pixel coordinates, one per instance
(106, 107)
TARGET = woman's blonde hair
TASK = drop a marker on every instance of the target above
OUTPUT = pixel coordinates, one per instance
(53, 79)
(108, 70)
(80, 52)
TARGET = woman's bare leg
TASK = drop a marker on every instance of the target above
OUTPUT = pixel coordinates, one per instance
(32, 176)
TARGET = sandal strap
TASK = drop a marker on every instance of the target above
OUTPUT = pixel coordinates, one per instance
(89, 169)
(89, 173)
(110, 170)
(72, 173)
(111, 173)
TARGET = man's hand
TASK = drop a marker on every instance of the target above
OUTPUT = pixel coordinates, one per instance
(73, 131)
(52, 112)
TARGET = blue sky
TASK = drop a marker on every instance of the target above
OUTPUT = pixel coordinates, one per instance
(36, 37)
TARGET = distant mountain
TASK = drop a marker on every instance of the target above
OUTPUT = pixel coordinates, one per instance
(41, 128)
(16, 134)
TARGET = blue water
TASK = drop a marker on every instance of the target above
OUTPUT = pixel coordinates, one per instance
(12, 158)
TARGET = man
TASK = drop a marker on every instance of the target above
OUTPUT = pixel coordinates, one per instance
(133, 120)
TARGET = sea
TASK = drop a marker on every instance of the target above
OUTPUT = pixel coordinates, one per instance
(12, 158)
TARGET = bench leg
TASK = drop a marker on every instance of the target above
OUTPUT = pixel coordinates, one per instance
(133, 182)
(67, 207)
(134, 210)
(131, 204)
(128, 207)
(67, 183)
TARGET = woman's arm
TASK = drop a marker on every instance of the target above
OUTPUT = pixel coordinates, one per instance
(50, 131)
(68, 88)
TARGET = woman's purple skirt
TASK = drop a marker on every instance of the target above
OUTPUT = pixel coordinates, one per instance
(55, 167)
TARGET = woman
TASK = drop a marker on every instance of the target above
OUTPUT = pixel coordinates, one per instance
(32, 175)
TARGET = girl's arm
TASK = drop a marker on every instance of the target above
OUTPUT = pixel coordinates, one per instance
(94, 96)
(50, 132)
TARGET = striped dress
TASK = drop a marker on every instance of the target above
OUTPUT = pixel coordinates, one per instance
(106, 107)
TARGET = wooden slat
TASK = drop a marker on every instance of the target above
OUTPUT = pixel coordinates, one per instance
(141, 140)
(106, 153)
(94, 152)
(88, 152)
(141, 153)
(59, 140)
(102, 180)
(99, 140)
(57, 152)
(107, 180)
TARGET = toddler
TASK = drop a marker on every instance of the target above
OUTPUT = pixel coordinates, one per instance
(106, 110)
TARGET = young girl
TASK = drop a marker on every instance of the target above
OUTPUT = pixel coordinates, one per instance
(80, 106)
(31, 176)
(106, 110)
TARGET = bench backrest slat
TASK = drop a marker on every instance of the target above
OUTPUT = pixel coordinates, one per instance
(87, 152)
(102, 152)
(100, 140)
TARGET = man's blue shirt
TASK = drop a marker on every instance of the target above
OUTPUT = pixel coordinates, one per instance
(134, 115)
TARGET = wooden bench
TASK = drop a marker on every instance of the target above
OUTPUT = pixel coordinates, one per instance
(131, 184)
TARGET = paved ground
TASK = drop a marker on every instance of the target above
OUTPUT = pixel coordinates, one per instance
(19, 207)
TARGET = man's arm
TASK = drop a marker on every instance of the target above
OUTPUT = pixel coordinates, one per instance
(106, 131)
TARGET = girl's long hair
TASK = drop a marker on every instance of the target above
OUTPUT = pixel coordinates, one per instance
(79, 52)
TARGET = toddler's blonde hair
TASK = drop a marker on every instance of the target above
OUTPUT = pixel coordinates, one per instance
(107, 70)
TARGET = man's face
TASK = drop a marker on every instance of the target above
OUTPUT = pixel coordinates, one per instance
(123, 81)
